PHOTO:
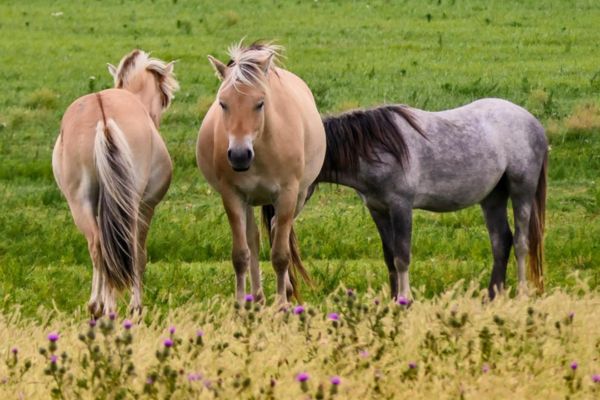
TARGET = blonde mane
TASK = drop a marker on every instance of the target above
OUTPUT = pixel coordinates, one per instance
(247, 64)
(137, 61)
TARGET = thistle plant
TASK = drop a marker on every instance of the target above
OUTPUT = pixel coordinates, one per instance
(350, 346)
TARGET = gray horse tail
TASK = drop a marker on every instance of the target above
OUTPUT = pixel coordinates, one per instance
(536, 230)
(117, 204)
(296, 266)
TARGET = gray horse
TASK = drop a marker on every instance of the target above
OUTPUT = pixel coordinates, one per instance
(400, 158)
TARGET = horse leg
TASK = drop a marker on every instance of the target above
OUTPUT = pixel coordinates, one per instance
(253, 237)
(240, 253)
(280, 252)
(401, 219)
(522, 202)
(289, 289)
(501, 238)
(83, 215)
(157, 186)
(384, 226)
(144, 218)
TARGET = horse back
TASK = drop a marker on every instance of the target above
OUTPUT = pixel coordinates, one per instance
(469, 149)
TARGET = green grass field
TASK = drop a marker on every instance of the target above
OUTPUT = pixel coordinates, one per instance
(434, 55)
(431, 54)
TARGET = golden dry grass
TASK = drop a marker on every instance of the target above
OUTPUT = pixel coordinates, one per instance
(584, 119)
(450, 347)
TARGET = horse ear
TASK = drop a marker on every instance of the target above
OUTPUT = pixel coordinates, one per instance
(112, 70)
(218, 66)
(170, 67)
(266, 65)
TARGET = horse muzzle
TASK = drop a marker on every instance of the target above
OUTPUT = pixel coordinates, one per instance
(240, 158)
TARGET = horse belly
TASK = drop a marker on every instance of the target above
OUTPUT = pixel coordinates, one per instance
(456, 189)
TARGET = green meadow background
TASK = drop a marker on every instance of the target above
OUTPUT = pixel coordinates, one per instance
(543, 55)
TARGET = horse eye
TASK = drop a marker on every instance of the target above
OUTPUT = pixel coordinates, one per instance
(260, 105)
(223, 105)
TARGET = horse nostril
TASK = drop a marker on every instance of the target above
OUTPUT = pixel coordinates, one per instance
(249, 154)
(229, 154)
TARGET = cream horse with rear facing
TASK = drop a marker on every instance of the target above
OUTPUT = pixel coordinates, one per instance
(262, 142)
(113, 167)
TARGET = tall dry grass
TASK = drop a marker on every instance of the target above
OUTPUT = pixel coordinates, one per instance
(454, 346)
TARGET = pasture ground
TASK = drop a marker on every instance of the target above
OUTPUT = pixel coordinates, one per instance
(449, 347)
(431, 54)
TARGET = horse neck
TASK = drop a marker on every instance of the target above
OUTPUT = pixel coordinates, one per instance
(147, 91)
(344, 178)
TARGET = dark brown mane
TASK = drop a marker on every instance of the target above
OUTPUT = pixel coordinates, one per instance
(258, 45)
(125, 66)
(358, 134)
(164, 98)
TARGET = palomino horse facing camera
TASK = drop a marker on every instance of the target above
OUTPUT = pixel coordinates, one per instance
(262, 143)
(400, 158)
(113, 167)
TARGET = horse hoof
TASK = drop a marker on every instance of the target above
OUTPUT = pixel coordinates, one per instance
(135, 311)
(289, 291)
(95, 309)
(404, 301)
(259, 298)
(523, 291)
(284, 307)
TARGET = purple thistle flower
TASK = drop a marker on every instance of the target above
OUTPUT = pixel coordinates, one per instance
(207, 384)
(571, 315)
(149, 381)
(333, 316)
(193, 377)
(14, 350)
(92, 323)
(112, 315)
(376, 301)
(335, 380)
(403, 301)
(172, 330)
(298, 310)
(485, 368)
(574, 365)
(412, 365)
(127, 324)
(53, 359)
(302, 377)
(249, 298)
(53, 337)
(350, 292)
(363, 353)
(168, 343)
(596, 378)
(199, 333)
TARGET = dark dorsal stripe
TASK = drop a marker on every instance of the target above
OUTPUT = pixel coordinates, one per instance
(358, 134)
(106, 131)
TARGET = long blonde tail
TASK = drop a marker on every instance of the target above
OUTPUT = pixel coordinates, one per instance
(117, 204)
(296, 265)
(536, 230)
